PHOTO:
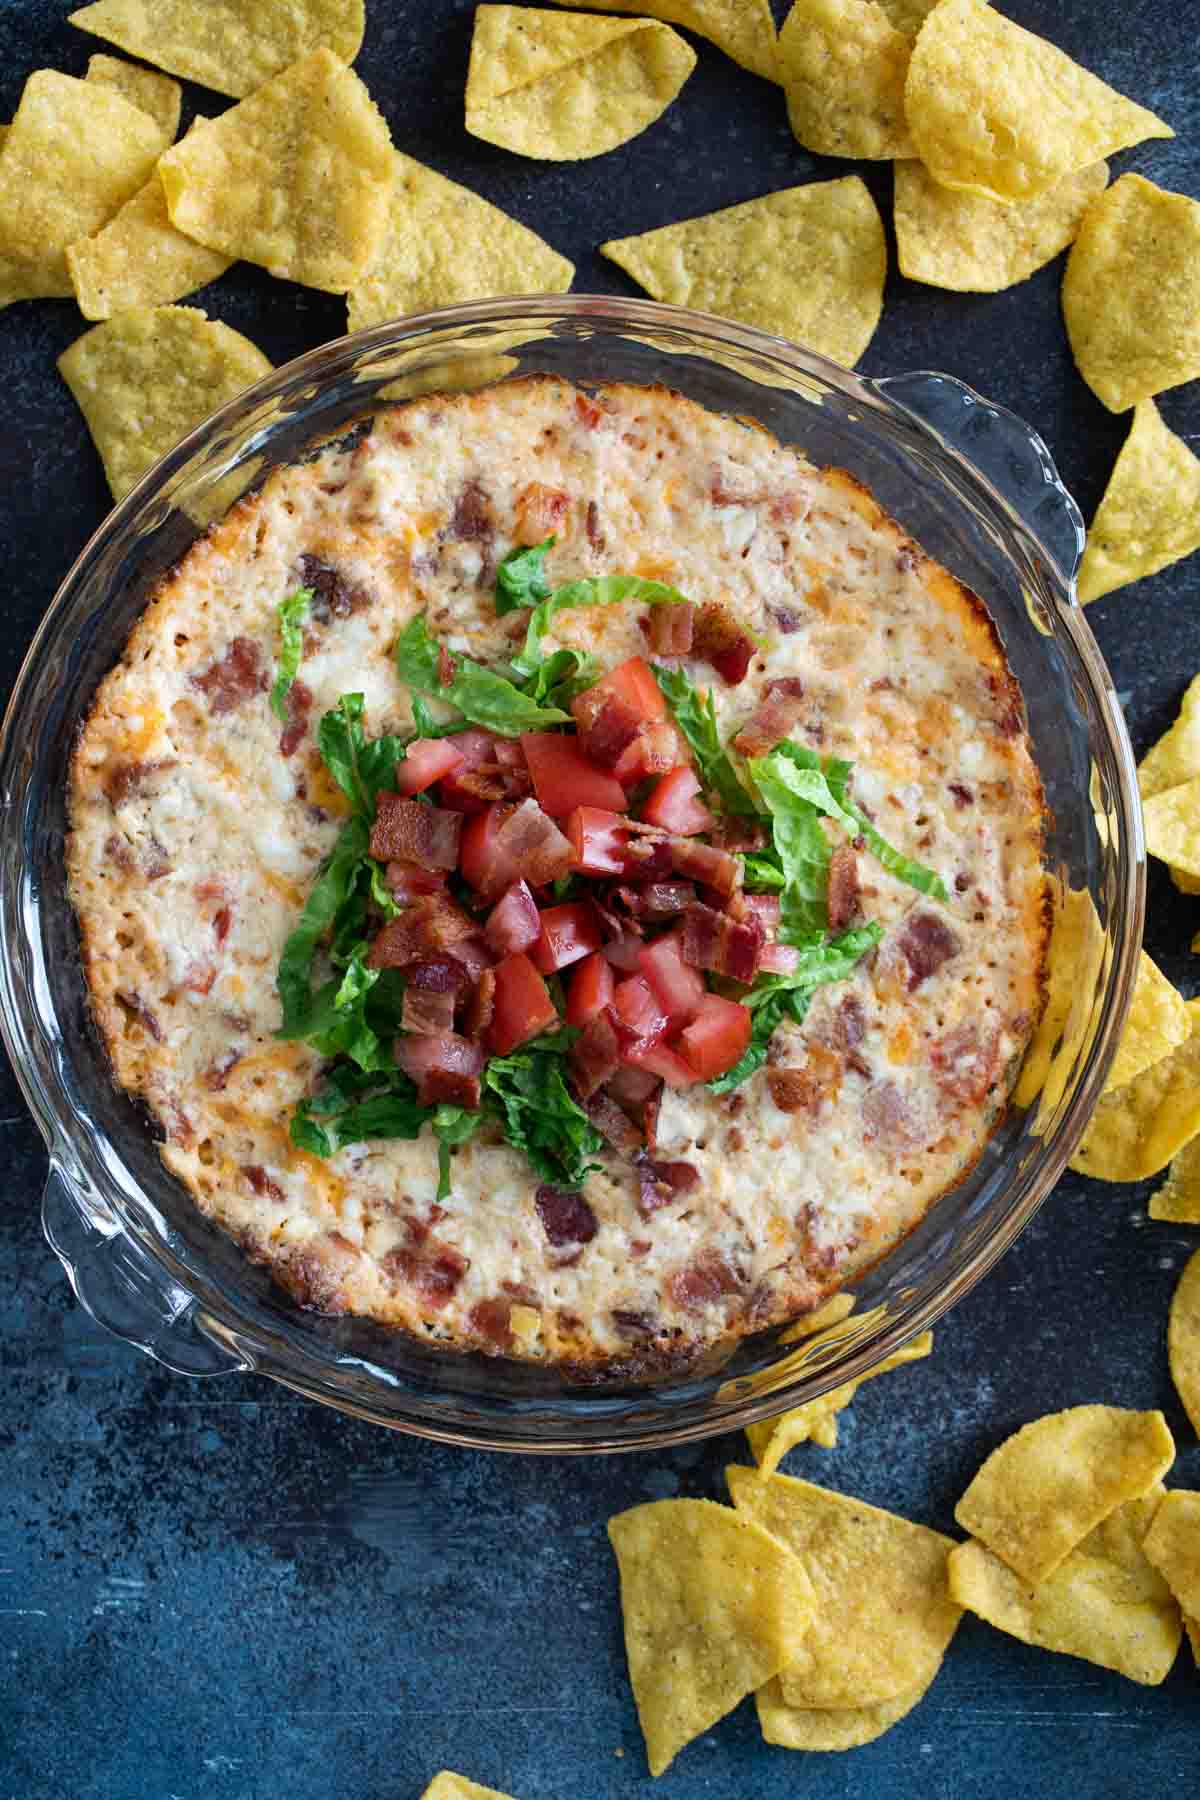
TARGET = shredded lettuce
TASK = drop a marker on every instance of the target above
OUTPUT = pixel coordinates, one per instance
(481, 695)
(292, 614)
(836, 777)
(521, 577)
(696, 717)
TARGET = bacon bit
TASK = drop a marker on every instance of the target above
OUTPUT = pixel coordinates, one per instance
(965, 1062)
(428, 927)
(137, 1008)
(216, 1076)
(490, 1319)
(595, 1056)
(534, 845)
(720, 640)
(478, 1011)
(633, 1087)
(432, 1268)
(408, 831)
(787, 620)
(262, 1184)
(116, 848)
(299, 705)
(587, 412)
(333, 596)
(198, 977)
(125, 778)
(446, 1068)
(595, 536)
(407, 881)
(962, 794)
(647, 853)
(651, 1107)
(844, 891)
(607, 726)
(471, 519)
(474, 956)
(566, 1216)
(430, 996)
(662, 1182)
(237, 677)
(635, 1324)
(727, 946)
(783, 706)
(704, 1280)
(671, 629)
(926, 943)
(540, 510)
(612, 1123)
(1007, 695)
(662, 899)
(704, 862)
(888, 1119)
(739, 834)
(804, 1088)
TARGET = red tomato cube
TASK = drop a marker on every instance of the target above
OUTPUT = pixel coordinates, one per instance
(513, 923)
(640, 1018)
(633, 681)
(522, 1007)
(590, 989)
(598, 839)
(676, 806)
(661, 1060)
(563, 778)
(425, 761)
(568, 934)
(485, 865)
(716, 1038)
(677, 986)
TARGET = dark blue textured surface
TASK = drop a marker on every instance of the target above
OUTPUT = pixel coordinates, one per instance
(220, 1590)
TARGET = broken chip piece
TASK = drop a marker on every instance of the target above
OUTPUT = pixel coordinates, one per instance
(1149, 516)
(1175, 758)
(1137, 1129)
(297, 178)
(950, 238)
(564, 86)
(1131, 292)
(713, 1607)
(147, 377)
(993, 108)
(807, 263)
(444, 244)
(1045, 1488)
(233, 46)
(1183, 1340)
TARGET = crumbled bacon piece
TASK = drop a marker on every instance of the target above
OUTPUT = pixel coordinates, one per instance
(235, 678)
(735, 833)
(540, 511)
(332, 595)
(222, 921)
(409, 831)
(595, 1056)
(595, 536)
(262, 1184)
(431, 1268)
(708, 1278)
(661, 1182)
(491, 1319)
(704, 862)
(844, 891)
(803, 1089)
(216, 1076)
(447, 668)
(889, 1119)
(408, 881)
(299, 705)
(530, 842)
(431, 993)
(607, 725)
(962, 794)
(670, 630)
(471, 519)
(612, 1124)
(634, 1324)
(566, 1217)
(446, 1068)
(587, 412)
(966, 1061)
(426, 928)
(783, 706)
(480, 1006)
(727, 946)
(122, 779)
(926, 942)
(662, 899)
(720, 640)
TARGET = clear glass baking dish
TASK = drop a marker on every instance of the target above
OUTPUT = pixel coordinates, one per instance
(972, 483)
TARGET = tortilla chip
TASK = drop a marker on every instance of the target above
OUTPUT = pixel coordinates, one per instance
(1177, 1202)
(139, 259)
(1149, 516)
(1076, 960)
(448, 1786)
(807, 263)
(1172, 820)
(830, 1728)
(4, 131)
(743, 29)
(76, 151)
(976, 245)
(233, 46)
(561, 87)
(1045, 1488)
(1135, 1131)
(1176, 756)
(1173, 1546)
(1131, 292)
(1157, 1024)
(444, 244)
(997, 110)
(1183, 1340)
(713, 1608)
(883, 1613)
(149, 376)
(146, 89)
(843, 65)
(1106, 1602)
(298, 178)
(771, 1439)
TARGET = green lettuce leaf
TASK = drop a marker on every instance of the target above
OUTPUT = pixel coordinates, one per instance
(361, 766)
(481, 695)
(451, 1125)
(539, 1114)
(521, 577)
(801, 848)
(836, 775)
(696, 717)
(293, 615)
(591, 590)
(332, 889)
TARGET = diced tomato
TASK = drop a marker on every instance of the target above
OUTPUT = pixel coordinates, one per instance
(640, 1018)
(676, 806)
(590, 989)
(634, 682)
(598, 839)
(661, 1060)
(522, 1007)
(513, 923)
(657, 749)
(568, 934)
(484, 866)
(563, 778)
(425, 761)
(678, 988)
(716, 1038)
(625, 953)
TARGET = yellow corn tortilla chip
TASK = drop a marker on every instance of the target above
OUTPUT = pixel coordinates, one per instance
(806, 263)
(1106, 1602)
(1177, 1202)
(1176, 756)
(843, 64)
(445, 243)
(146, 378)
(1183, 1340)
(448, 1786)
(1173, 1546)
(743, 29)
(1045, 1488)
(771, 1439)
(564, 86)
(139, 259)
(233, 46)
(1172, 820)
(1157, 1024)
(1076, 962)
(146, 89)
(298, 178)
(4, 131)
(831, 1728)
(883, 1612)
(968, 242)
(1149, 516)
(997, 110)
(713, 1608)
(1131, 292)
(1136, 1130)
(76, 151)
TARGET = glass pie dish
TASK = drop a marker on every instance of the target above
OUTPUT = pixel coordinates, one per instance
(968, 480)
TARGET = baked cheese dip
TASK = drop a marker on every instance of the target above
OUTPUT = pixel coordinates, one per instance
(564, 874)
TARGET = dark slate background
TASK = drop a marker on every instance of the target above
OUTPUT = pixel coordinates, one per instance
(217, 1589)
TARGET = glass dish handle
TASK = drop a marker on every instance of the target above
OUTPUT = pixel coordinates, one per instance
(1005, 450)
(122, 1289)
